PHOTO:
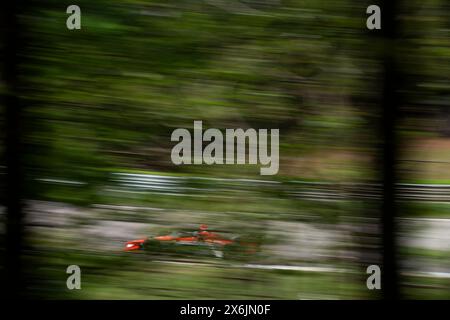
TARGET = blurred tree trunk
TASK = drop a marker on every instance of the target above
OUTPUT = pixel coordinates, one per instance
(13, 282)
(389, 148)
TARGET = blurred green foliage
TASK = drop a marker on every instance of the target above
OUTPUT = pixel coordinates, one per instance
(106, 98)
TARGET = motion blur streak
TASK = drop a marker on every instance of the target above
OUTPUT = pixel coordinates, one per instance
(97, 106)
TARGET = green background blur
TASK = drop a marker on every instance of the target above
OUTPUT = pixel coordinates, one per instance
(102, 102)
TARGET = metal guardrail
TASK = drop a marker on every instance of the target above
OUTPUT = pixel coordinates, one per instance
(325, 191)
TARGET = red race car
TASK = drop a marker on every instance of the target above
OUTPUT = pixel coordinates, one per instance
(198, 239)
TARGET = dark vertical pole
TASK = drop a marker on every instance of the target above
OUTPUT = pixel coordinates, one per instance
(389, 113)
(13, 281)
